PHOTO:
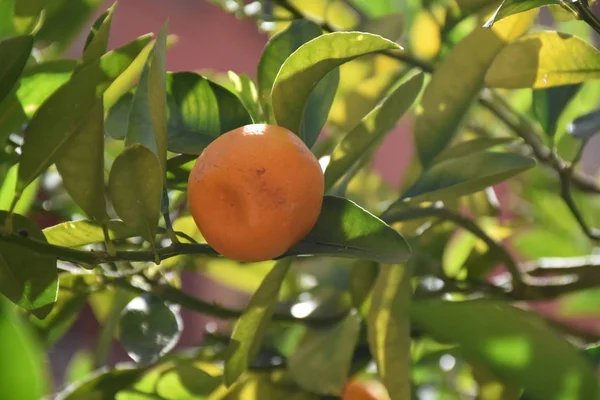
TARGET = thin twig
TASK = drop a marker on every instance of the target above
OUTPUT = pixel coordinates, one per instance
(411, 213)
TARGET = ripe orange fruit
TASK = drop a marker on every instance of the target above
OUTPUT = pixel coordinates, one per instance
(255, 191)
(359, 390)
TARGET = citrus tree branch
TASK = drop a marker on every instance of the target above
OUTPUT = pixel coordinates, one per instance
(412, 213)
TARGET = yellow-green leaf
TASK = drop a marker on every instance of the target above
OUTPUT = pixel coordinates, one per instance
(310, 63)
(82, 232)
(545, 59)
(249, 330)
(456, 83)
(58, 119)
(389, 329)
(361, 140)
(464, 175)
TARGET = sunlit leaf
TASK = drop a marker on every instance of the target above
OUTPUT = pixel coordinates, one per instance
(173, 381)
(322, 361)
(345, 229)
(29, 279)
(310, 63)
(249, 330)
(135, 188)
(361, 140)
(389, 328)
(276, 51)
(545, 59)
(457, 177)
(22, 363)
(199, 111)
(59, 117)
(425, 36)
(457, 82)
(515, 345)
(510, 7)
(319, 102)
(15, 51)
(247, 92)
(147, 123)
(96, 42)
(7, 192)
(83, 232)
(149, 328)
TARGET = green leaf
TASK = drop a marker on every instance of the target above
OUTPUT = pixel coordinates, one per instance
(388, 328)
(149, 328)
(27, 278)
(309, 64)
(27, 15)
(96, 42)
(22, 362)
(362, 279)
(345, 229)
(80, 366)
(173, 381)
(117, 119)
(58, 119)
(81, 165)
(468, 147)
(277, 50)
(69, 303)
(545, 59)
(246, 90)
(361, 140)
(81, 232)
(40, 81)
(279, 47)
(511, 7)
(7, 192)
(103, 384)
(15, 51)
(63, 22)
(321, 363)
(135, 188)
(200, 111)
(515, 345)
(318, 106)
(147, 124)
(464, 175)
(585, 126)
(390, 26)
(548, 105)
(456, 83)
(249, 330)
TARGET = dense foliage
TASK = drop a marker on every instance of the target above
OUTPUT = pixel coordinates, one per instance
(429, 289)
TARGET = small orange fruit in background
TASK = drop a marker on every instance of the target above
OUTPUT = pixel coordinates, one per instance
(364, 390)
(255, 192)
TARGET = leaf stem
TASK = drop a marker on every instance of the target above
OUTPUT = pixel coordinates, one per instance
(110, 246)
(585, 14)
